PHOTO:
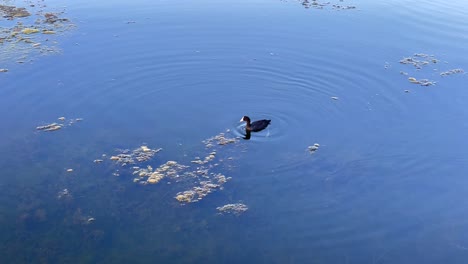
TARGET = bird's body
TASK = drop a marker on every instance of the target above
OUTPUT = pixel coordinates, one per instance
(255, 126)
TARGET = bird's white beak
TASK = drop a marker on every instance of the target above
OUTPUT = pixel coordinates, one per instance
(242, 120)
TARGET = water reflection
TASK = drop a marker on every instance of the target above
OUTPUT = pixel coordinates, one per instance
(247, 135)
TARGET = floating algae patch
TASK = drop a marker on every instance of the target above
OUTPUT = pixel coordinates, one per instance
(203, 180)
(340, 7)
(336, 5)
(12, 12)
(53, 18)
(200, 191)
(220, 139)
(138, 155)
(63, 122)
(49, 127)
(419, 60)
(211, 156)
(170, 169)
(236, 209)
(451, 72)
(420, 63)
(28, 33)
(422, 82)
(192, 182)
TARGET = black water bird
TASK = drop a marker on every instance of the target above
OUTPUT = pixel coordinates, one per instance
(255, 126)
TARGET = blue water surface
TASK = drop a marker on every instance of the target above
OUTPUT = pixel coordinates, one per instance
(388, 183)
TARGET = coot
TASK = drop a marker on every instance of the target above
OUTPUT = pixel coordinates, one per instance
(255, 126)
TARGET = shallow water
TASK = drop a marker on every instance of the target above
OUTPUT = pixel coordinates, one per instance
(387, 184)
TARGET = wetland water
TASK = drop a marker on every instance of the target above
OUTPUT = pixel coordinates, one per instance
(378, 87)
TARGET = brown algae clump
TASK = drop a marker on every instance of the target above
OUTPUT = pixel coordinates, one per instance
(29, 36)
(236, 209)
(12, 12)
(52, 18)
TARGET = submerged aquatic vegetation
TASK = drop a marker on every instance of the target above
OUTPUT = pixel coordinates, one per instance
(64, 194)
(80, 219)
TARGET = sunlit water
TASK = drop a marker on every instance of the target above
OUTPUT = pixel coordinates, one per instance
(388, 183)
